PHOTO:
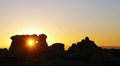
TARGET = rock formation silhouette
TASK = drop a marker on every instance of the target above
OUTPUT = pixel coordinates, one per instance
(57, 47)
(20, 45)
(83, 53)
(87, 50)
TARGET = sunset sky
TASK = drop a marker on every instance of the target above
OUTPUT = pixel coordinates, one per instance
(64, 21)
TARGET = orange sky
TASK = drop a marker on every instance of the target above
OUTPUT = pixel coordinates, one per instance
(61, 20)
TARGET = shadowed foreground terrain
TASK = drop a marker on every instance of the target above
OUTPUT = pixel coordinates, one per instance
(84, 53)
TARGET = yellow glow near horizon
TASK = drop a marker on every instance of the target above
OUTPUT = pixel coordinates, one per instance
(31, 31)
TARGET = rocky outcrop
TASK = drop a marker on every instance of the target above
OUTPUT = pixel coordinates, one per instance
(20, 44)
(84, 48)
(87, 50)
(85, 53)
(57, 47)
(56, 50)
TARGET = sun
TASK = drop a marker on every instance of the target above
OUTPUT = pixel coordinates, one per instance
(30, 42)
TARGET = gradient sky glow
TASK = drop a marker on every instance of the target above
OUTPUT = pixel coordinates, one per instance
(65, 21)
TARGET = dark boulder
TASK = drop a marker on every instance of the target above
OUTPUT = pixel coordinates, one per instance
(57, 47)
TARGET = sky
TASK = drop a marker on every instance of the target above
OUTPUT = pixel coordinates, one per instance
(63, 21)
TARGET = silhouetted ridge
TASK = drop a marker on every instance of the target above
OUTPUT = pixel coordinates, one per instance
(87, 50)
(83, 53)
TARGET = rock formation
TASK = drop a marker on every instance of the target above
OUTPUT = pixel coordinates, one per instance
(20, 45)
(85, 53)
(87, 50)
(72, 48)
(57, 47)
